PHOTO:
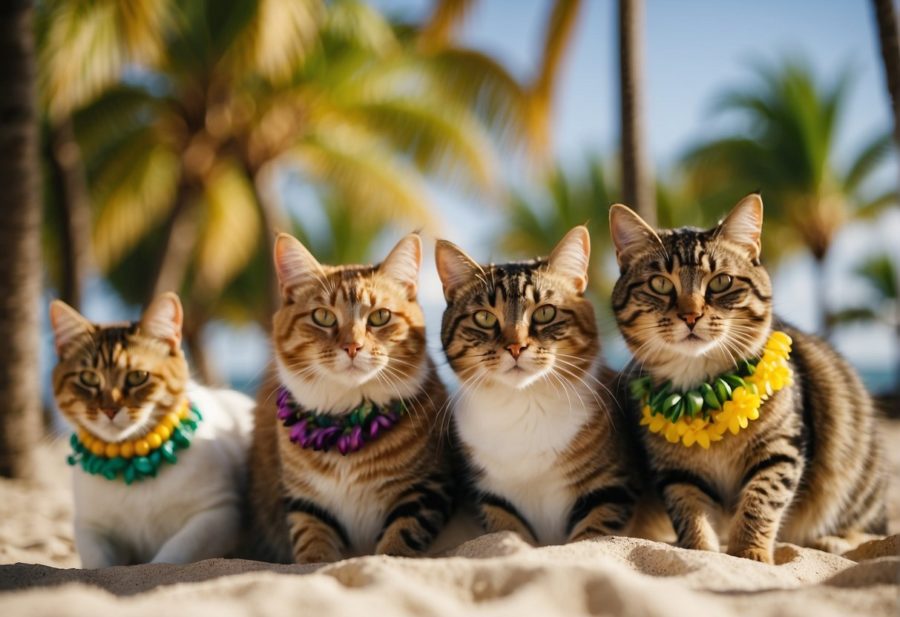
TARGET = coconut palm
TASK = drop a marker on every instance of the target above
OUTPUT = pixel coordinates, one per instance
(185, 149)
(20, 237)
(787, 149)
(889, 43)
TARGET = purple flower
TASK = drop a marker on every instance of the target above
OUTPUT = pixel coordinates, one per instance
(384, 421)
(343, 444)
(298, 431)
(374, 427)
(356, 439)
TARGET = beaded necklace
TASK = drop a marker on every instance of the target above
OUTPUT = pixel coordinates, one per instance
(140, 458)
(728, 402)
(348, 432)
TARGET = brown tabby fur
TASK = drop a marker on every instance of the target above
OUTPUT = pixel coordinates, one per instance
(112, 351)
(562, 489)
(393, 496)
(808, 471)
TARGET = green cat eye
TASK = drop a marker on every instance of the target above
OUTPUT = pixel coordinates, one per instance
(136, 378)
(720, 283)
(89, 378)
(379, 317)
(484, 319)
(544, 314)
(323, 317)
(661, 284)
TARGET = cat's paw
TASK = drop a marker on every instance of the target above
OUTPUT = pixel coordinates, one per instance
(755, 554)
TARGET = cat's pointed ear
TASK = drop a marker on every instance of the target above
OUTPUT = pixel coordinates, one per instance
(630, 233)
(68, 324)
(294, 265)
(403, 262)
(743, 225)
(572, 256)
(454, 267)
(163, 319)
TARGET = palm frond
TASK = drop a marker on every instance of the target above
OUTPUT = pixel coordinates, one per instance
(86, 45)
(356, 24)
(366, 176)
(446, 16)
(230, 231)
(132, 196)
(866, 161)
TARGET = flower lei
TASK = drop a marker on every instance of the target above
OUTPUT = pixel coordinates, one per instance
(141, 458)
(729, 402)
(348, 432)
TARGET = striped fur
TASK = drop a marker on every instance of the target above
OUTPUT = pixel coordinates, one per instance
(808, 470)
(192, 511)
(535, 420)
(393, 496)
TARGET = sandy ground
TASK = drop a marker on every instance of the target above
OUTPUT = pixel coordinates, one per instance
(492, 575)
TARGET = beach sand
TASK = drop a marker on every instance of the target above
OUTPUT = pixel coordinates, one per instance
(495, 574)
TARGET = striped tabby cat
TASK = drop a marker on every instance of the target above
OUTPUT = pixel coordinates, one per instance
(122, 387)
(536, 426)
(691, 305)
(346, 456)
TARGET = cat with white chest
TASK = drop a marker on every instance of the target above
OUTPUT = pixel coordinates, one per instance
(159, 460)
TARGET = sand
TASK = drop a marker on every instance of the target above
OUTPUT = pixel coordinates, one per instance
(495, 574)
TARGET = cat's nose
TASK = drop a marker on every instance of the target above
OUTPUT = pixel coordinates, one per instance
(690, 318)
(110, 412)
(516, 349)
(352, 349)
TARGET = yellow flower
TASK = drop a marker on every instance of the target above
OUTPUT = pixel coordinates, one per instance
(655, 423)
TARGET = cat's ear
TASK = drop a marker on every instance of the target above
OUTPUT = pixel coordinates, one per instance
(294, 265)
(68, 324)
(630, 233)
(163, 319)
(743, 225)
(572, 256)
(454, 267)
(403, 262)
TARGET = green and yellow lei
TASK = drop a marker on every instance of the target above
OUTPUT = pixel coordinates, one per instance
(727, 403)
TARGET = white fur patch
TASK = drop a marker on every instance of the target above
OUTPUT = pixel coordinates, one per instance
(515, 436)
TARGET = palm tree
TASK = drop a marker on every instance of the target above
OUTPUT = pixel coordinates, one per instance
(183, 152)
(889, 41)
(786, 148)
(883, 279)
(637, 175)
(20, 263)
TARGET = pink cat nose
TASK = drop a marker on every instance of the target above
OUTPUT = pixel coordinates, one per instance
(110, 412)
(352, 349)
(690, 318)
(515, 349)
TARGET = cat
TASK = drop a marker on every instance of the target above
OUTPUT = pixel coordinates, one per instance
(691, 304)
(536, 424)
(321, 488)
(161, 485)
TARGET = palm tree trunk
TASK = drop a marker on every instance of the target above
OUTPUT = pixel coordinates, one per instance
(638, 189)
(20, 248)
(273, 221)
(180, 239)
(74, 211)
(826, 320)
(886, 19)
(194, 324)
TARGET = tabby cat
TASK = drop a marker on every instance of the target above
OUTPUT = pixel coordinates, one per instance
(535, 422)
(348, 455)
(126, 389)
(692, 305)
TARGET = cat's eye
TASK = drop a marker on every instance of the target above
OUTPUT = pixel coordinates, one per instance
(544, 314)
(720, 283)
(323, 317)
(136, 378)
(89, 378)
(661, 284)
(379, 317)
(484, 319)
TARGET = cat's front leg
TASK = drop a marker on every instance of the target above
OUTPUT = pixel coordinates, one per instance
(97, 550)
(692, 504)
(207, 534)
(498, 514)
(413, 523)
(316, 535)
(768, 489)
(601, 512)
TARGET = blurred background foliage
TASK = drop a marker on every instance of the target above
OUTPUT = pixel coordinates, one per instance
(170, 131)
